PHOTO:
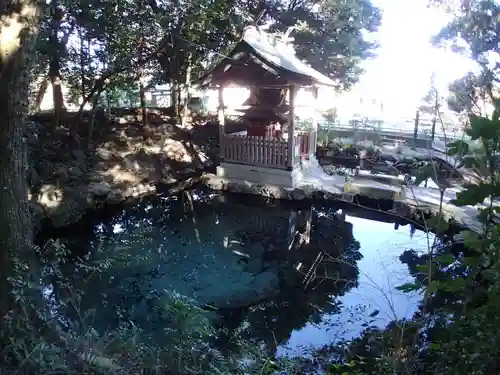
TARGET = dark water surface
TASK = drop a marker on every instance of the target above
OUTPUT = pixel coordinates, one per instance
(250, 262)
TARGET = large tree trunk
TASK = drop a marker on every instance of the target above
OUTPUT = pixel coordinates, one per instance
(17, 37)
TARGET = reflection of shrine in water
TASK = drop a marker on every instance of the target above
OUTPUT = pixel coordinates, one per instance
(318, 267)
(309, 242)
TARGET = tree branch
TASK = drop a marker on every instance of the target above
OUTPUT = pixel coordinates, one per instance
(100, 84)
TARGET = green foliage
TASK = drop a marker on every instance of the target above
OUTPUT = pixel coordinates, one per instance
(455, 330)
(474, 32)
(458, 148)
(473, 194)
(472, 279)
(483, 128)
(114, 44)
(186, 337)
(424, 173)
(330, 36)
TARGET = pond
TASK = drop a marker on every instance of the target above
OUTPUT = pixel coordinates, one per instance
(296, 277)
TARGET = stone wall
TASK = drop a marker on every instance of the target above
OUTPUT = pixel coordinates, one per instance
(127, 162)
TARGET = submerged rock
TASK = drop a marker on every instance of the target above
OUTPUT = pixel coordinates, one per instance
(78, 155)
(246, 290)
(100, 189)
(75, 172)
(205, 259)
(218, 279)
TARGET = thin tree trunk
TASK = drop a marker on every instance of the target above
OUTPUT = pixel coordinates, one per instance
(55, 64)
(144, 111)
(436, 113)
(82, 63)
(173, 98)
(187, 86)
(41, 92)
(179, 101)
(44, 85)
(108, 103)
(57, 94)
(92, 121)
(415, 130)
(433, 129)
(142, 90)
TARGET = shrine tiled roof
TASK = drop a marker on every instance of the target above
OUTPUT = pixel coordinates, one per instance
(281, 54)
(260, 58)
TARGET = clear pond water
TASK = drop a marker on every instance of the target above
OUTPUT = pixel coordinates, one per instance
(298, 277)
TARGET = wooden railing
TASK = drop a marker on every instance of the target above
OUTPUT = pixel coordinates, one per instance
(307, 140)
(258, 151)
(269, 152)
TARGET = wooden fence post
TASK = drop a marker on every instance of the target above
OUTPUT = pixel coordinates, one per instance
(415, 130)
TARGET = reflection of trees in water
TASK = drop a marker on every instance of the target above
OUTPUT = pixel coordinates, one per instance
(124, 245)
(452, 264)
(122, 290)
(111, 263)
(445, 266)
(409, 339)
(299, 302)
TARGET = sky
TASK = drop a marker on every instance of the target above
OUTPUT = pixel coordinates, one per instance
(400, 74)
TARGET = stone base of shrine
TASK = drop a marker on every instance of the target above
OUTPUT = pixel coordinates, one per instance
(260, 175)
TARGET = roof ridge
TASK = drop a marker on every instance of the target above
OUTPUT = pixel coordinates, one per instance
(277, 38)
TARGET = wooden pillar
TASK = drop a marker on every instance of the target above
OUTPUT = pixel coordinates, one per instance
(314, 143)
(433, 130)
(415, 130)
(221, 119)
(291, 127)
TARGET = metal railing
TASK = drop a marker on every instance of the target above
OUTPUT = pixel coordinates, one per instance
(403, 128)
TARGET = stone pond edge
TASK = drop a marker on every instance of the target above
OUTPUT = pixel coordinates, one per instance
(401, 208)
(97, 196)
